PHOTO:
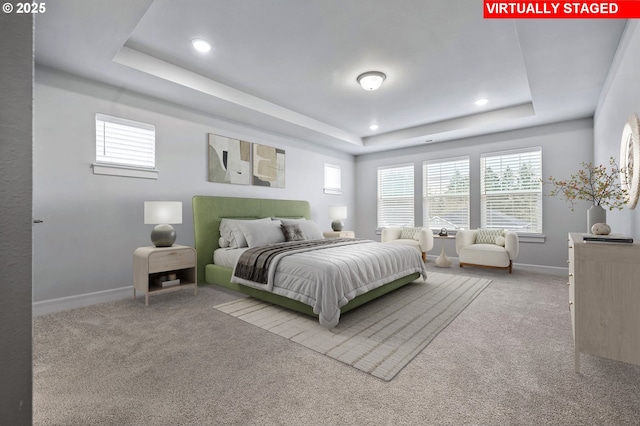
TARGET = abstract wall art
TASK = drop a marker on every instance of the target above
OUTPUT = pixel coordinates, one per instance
(268, 166)
(229, 160)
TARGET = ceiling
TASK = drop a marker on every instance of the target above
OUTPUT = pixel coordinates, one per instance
(290, 67)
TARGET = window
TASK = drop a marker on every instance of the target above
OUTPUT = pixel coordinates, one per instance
(124, 147)
(332, 179)
(395, 196)
(511, 190)
(445, 193)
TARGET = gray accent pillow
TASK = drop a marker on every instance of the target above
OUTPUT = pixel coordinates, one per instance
(293, 233)
(308, 227)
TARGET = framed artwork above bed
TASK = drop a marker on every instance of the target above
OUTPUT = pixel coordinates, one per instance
(268, 166)
(230, 161)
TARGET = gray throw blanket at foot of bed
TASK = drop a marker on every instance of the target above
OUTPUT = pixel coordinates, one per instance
(254, 263)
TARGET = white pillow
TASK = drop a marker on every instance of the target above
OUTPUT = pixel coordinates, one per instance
(500, 241)
(260, 233)
(308, 227)
(230, 231)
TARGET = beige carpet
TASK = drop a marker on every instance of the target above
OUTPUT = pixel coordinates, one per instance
(379, 338)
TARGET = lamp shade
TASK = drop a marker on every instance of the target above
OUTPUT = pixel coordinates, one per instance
(156, 212)
(338, 212)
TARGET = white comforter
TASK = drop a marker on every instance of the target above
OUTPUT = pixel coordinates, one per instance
(327, 278)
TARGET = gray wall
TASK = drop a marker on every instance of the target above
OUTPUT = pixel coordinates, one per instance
(94, 223)
(620, 98)
(16, 56)
(564, 146)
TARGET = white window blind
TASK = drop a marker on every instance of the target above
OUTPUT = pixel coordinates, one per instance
(511, 191)
(395, 196)
(445, 194)
(332, 179)
(125, 142)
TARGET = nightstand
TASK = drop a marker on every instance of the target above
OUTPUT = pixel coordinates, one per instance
(339, 234)
(175, 265)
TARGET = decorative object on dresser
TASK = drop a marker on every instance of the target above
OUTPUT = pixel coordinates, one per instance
(337, 213)
(162, 269)
(630, 159)
(420, 238)
(604, 296)
(163, 214)
(487, 248)
(601, 229)
(596, 184)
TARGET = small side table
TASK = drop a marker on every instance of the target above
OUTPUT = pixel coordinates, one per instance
(443, 260)
(339, 234)
(151, 263)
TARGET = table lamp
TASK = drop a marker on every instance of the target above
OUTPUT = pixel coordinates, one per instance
(337, 213)
(162, 214)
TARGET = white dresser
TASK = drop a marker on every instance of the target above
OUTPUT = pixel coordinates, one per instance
(604, 299)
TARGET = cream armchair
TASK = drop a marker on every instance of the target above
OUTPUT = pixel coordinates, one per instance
(486, 249)
(420, 238)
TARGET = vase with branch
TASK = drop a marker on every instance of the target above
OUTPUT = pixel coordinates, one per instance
(597, 184)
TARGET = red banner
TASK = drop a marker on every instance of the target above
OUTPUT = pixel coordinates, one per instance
(623, 9)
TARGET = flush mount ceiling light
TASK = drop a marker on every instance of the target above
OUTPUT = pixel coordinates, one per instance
(481, 102)
(374, 127)
(371, 80)
(201, 45)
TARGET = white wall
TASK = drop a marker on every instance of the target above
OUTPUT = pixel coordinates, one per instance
(93, 223)
(620, 97)
(16, 56)
(564, 146)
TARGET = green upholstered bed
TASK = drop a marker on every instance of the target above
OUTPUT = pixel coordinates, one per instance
(208, 211)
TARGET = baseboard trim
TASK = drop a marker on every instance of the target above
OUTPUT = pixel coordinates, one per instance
(78, 301)
(541, 269)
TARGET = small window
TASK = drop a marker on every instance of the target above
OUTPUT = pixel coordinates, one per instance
(125, 147)
(332, 179)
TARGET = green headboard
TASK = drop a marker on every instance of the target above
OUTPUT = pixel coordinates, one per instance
(208, 211)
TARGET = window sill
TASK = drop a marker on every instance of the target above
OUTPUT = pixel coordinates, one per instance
(116, 170)
(532, 238)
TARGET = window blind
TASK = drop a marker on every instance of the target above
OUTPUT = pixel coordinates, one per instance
(332, 179)
(125, 142)
(511, 190)
(396, 196)
(445, 194)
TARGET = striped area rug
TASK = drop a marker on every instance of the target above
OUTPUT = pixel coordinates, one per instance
(380, 337)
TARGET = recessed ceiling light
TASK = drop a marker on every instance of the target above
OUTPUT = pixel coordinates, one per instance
(374, 127)
(201, 45)
(481, 102)
(371, 80)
